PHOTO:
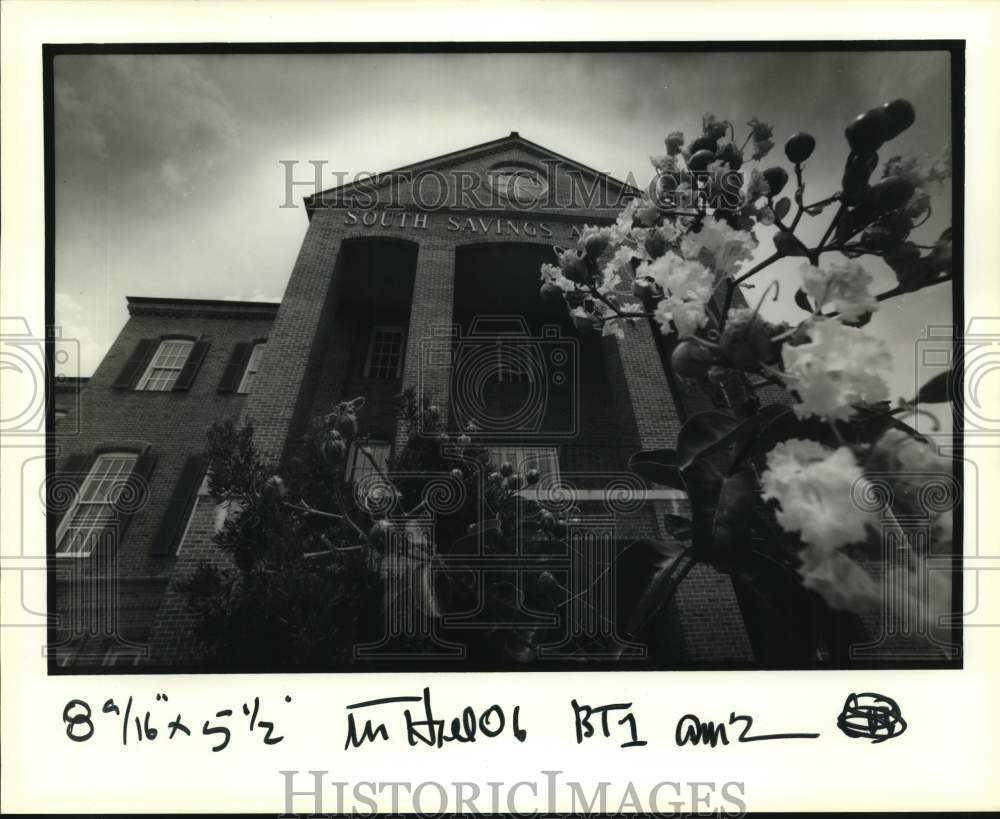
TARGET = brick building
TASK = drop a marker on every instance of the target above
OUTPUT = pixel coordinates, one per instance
(427, 276)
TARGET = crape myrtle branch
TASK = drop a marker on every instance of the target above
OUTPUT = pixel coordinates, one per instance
(674, 260)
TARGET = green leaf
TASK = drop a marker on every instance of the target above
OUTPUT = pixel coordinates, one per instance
(656, 591)
(733, 514)
(704, 480)
(658, 466)
(700, 434)
(937, 390)
(860, 321)
(781, 207)
(753, 429)
(802, 300)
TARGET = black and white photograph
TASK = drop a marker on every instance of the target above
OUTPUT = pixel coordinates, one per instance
(498, 408)
(564, 358)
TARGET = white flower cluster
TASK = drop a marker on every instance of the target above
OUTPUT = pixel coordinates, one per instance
(725, 247)
(813, 484)
(553, 274)
(689, 277)
(838, 367)
(843, 286)
(815, 487)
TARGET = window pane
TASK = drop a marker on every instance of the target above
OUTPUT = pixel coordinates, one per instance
(385, 352)
(359, 465)
(89, 519)
(253, 365)
(162, 372)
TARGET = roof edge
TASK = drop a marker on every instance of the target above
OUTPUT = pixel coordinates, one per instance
(157, 305)
(512, 138)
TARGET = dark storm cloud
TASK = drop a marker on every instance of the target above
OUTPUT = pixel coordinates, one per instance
(168, 174)
(157, 122)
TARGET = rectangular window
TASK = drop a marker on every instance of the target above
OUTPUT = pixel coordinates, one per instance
(359, 465)
(92, 512)
(253, 366)
(202, 493)
(165, 366)
(543, 458)
(385, 353)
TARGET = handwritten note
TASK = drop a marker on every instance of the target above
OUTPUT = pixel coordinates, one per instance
(412, 718)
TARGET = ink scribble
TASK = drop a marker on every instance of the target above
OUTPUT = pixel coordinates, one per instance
(873, 716)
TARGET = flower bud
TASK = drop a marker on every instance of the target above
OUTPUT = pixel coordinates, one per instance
(347, 424)
(674, 143)
(857, 171)
(868, 132)
(334, 448)
(901, 115)
(655, 244)
(533, 476)
(703, 143)
(378, 534)
(274, 488)
(731, 155)
(574, 267)
(596, 245)
(890, 193)
(799, 147)
(690, 359)
(552, 293)
(787, 245)
(701, 160)
(506, 469)
(776, 178)
(746, 342)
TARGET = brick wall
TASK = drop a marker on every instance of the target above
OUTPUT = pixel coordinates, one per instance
(170, 426)
(314, 344)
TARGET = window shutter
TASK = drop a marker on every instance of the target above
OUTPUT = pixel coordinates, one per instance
(63, 485)
(179, 508)
(136, 496)
(190, 369)
(237, 364)
(136, 364)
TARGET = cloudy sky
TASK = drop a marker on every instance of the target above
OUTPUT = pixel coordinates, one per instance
(169, 182)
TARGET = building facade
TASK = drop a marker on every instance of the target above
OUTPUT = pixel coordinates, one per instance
(427, 277)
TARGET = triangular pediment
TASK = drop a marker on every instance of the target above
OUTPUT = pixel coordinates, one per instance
(507, 174)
